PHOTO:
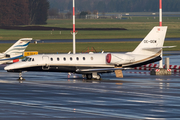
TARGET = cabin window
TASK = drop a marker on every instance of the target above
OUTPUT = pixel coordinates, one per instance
(33, 59)
(84, 58)
(77, 58)
(91, 58)
(64, 59)
(71, 58)
(57, 59)
(51, 59)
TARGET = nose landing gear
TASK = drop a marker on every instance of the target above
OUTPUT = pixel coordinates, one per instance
(20, 77)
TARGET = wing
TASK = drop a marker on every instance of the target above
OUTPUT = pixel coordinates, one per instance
(99, 70)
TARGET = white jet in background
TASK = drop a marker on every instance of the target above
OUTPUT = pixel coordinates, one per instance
(93, 64)
(15, 51)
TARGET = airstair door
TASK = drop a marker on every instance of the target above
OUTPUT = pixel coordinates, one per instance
(45, 60)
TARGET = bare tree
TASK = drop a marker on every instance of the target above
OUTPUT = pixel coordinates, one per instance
(12, 12)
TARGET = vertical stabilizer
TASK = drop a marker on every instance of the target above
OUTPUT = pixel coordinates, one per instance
(153, 42)
(19, 47)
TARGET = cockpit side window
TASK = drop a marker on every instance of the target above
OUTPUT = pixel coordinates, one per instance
(29, 59)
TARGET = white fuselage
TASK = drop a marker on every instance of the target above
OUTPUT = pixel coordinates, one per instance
(74, 62)
(62, 62)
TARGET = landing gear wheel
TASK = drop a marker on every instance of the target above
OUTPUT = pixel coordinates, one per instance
(93, 76)
(98, 77)
(89, 76)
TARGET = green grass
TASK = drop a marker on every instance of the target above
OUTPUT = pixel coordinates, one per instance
(138, 27)
(107, 47)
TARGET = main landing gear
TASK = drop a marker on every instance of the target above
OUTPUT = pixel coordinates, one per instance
(92, 76)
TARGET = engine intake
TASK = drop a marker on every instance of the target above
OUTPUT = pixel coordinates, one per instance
(108, 58)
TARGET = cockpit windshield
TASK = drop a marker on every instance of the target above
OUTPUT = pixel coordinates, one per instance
(25, 59)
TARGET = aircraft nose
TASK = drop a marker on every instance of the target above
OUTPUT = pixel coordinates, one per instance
(12, 68)
(8, 67)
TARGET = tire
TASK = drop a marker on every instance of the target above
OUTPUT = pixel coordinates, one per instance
(89, 76)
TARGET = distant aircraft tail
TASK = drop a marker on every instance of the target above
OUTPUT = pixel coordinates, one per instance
(17, 49)
(153, 43)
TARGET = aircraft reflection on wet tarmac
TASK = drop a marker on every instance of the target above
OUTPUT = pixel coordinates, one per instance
(59, 96)
(55, 96)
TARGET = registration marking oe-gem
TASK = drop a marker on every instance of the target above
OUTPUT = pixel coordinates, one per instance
(150, 41)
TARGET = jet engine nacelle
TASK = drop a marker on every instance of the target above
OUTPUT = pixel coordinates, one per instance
(119, 59)
(1, 55)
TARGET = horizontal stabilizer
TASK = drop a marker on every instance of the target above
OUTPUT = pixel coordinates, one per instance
(12, 58)
(158, 47)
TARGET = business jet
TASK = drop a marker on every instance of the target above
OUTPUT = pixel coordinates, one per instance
(91, 65)
(15, 51)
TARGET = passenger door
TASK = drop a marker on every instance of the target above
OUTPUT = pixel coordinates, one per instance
(45, 60)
